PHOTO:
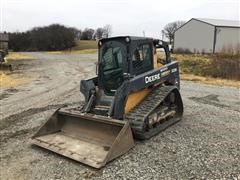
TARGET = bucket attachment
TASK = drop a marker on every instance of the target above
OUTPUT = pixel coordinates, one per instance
(91, 139)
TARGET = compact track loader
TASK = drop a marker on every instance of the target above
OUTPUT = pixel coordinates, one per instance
(135, 94)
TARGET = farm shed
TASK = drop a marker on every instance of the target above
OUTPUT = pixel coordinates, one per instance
(4, 41)
(207, 35)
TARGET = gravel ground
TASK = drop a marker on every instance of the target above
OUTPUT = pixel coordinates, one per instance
(204, 145)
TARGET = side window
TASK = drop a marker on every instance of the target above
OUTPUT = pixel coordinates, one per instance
(112, 58)
(161, 56)
(108, 60)
(141, 58)
(147, 54)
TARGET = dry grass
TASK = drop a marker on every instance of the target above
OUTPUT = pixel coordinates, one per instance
(210, 80)
(14, 56)
(217, 66)
(218, 69)
(85, 44)
(85, 51)
(82, 47)
(10, 81)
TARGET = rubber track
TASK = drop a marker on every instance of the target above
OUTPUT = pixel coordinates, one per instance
(138, 114)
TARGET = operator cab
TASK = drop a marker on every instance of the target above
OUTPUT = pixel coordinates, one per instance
(121, 58)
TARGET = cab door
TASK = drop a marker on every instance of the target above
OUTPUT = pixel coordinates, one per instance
(112, 66)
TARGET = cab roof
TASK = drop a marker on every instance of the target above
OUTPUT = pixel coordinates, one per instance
(132, 38)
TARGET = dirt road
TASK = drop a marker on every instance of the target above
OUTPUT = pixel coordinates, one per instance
(205, 144)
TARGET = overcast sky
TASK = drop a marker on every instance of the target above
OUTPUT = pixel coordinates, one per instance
(127, 17)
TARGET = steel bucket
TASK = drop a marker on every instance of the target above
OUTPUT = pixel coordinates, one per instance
(90, 139)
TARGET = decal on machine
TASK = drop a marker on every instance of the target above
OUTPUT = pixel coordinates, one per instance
(152, 78)
(164, 69)
(163, 72)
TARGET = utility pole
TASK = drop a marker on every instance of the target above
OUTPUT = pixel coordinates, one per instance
(143, 33)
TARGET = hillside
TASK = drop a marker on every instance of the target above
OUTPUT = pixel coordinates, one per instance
(85, 44)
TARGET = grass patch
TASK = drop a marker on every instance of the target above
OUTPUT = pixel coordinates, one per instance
(223, 66)
(85, 51)
(210, 80)
(9, 81)
(14, 56)
(85, 44)
(82, 47)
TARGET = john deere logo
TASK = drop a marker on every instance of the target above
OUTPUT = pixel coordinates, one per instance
(152, 78)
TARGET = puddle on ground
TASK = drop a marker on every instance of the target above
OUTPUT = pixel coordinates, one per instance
(211, 99)
(4, 95)
(12, 90)
(8, 93)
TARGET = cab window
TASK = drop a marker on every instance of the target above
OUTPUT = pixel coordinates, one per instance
(142, 59)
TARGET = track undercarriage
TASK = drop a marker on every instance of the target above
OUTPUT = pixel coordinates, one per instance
(160, 109)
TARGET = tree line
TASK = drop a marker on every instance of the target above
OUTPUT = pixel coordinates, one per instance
(59, 37)
(101, 32)
(54, 37)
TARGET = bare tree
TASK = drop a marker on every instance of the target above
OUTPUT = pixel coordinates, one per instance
(77, 33)
(87, 34)
(170, 28)
(99, 33)
(107, 30)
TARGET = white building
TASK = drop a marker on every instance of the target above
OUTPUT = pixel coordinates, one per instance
(207, 35)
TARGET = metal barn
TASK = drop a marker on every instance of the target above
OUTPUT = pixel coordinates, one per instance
(207, 35)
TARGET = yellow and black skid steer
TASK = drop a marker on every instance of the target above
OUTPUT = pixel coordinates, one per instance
(134, 94)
